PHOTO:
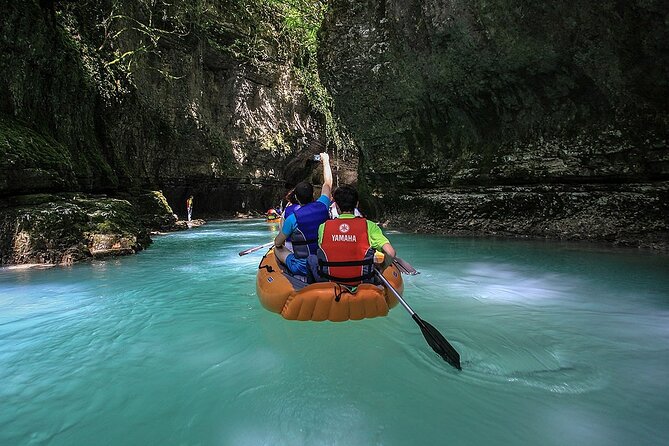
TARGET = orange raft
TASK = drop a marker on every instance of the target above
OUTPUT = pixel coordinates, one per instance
(272, 216)
(286, 295)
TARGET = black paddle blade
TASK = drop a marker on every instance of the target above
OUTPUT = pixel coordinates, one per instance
(439, 343)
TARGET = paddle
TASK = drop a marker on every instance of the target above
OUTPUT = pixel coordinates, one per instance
(435, 339)
(404, 267)
(257, 248)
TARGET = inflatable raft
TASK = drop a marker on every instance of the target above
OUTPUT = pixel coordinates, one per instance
(294, 299)
(272, 216)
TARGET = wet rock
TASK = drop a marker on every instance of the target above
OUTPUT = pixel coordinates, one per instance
(105, 245)
(183, 225)
(67, 228)
(635, 215)
(153, 211)
(529, 119)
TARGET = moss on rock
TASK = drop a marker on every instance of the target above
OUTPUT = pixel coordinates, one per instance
(152, 210)
(63, 228)
(30, 161)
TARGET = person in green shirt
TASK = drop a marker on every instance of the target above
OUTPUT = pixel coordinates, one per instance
(347, 244)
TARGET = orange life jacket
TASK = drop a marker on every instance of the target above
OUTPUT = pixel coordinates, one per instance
(345, 255)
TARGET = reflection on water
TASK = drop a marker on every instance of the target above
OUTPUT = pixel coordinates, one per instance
(558, 345)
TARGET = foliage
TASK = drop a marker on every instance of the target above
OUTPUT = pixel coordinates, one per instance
(129, 34)
(276, 144)
(300, 22)
(23, 147)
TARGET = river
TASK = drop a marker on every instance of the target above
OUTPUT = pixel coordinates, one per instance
(561, 344)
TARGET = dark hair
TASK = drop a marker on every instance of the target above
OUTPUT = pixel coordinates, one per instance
(346, 198)
(290, 196)
(304, 192)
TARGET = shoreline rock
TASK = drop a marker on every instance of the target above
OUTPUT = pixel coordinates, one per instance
(631, 215)
(66, 228)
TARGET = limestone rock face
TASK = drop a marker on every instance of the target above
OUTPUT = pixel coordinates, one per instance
(455, 95)
(127, 101)
(635, 215)
(65, 228)
(100, 103)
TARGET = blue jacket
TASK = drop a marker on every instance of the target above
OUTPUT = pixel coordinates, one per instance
(305, 238)
(290, 210)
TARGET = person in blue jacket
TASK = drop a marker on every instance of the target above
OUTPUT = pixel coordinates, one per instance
(301, 227)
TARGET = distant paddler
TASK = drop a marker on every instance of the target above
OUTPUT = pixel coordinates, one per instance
(272, 215)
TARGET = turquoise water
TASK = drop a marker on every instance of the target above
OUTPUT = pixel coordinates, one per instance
(559, 346)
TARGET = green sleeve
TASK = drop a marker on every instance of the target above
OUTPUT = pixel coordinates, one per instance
(321, 229)
(376, 237)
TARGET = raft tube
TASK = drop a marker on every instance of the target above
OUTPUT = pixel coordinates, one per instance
(283, 294)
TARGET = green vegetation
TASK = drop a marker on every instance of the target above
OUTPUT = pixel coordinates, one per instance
(123, 44)
(301, 22)
(22, 147)
(275, 144)
(289, 27)
(30, 161)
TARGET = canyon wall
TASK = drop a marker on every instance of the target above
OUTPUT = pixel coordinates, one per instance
(513, 118)
(108, 101)
(463, 117)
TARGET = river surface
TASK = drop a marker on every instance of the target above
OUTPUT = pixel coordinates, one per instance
(560, 345)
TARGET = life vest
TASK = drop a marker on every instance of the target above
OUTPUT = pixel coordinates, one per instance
(345, 255)
(290, 210)
(305, 238)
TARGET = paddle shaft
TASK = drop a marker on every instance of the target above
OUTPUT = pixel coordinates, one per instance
(405, 267)
(394, 291)
(436, 340)
(257, 248)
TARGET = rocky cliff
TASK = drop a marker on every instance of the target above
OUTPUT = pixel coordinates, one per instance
(188, 99)
(523, 118)
(468, 117)
(121, 97)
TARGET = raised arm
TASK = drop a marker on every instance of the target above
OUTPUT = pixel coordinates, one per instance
(327, 175)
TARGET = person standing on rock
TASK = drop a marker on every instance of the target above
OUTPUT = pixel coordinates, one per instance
(189, 207)
(301, 227)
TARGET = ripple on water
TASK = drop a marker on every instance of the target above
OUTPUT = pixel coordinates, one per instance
(295, 413)
(173, 346)
(526, 364)
(540, 370)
